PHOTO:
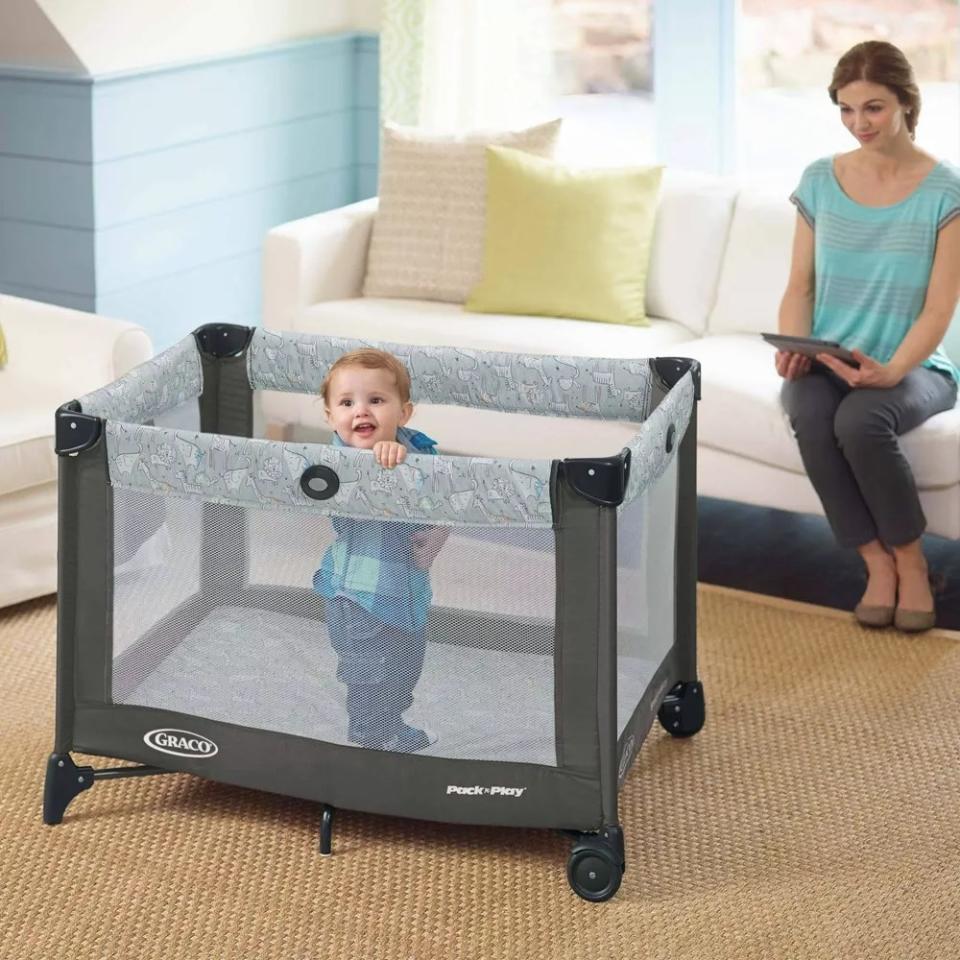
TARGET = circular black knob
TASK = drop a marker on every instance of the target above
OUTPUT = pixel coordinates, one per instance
(319, 482)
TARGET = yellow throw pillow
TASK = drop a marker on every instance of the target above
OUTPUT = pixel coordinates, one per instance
(566, 243)
(3, 349)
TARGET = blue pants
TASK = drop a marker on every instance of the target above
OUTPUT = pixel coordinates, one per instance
(379, 664)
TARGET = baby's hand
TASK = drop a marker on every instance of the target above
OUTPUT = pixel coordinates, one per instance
(389, 453)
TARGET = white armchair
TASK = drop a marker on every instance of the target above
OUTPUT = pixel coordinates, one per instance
(54, 355)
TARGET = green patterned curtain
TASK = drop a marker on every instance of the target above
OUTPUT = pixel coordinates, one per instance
(466, 64)
(401, 60)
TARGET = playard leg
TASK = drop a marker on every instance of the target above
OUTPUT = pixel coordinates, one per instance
(683, 710)
(326, 828)
(597, 864)
(65, 780)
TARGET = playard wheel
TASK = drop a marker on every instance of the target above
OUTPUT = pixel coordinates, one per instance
(683, 710)
(594, 871)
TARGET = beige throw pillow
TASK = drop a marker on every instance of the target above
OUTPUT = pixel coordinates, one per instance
(428, 233)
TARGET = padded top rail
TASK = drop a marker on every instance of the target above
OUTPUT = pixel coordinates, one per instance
(433, 489)
(152, 388)
(511, 382)
(649, 453)
(447, 490)
(616, 389)
(267, 473)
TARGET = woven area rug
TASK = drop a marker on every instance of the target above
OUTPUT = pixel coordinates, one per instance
(815, 816)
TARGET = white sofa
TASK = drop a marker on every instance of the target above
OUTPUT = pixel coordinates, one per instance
(54, 355)
(718, 268)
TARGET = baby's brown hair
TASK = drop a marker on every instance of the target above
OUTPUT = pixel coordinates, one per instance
(370, 359)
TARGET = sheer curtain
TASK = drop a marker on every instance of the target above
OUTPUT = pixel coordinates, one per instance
(456, 65)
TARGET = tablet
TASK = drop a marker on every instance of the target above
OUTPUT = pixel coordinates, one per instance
(810, 347)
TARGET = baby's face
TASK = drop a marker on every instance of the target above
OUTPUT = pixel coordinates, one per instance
(364, 406)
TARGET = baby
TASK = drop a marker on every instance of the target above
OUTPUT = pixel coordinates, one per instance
(374, 577)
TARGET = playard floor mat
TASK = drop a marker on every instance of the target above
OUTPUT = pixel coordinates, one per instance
(276, 671)
(813, 817)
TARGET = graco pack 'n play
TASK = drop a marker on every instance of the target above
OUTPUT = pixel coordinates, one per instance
(562, 617)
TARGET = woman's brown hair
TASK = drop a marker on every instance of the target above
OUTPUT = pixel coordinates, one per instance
(877, 61)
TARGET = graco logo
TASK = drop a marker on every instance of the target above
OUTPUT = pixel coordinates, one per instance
(180, 743)
(479, 791)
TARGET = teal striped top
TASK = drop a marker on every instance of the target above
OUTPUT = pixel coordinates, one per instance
(872, 264)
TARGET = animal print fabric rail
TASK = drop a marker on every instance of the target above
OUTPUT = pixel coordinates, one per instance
(649, 453)
(515, 383)
(443, 490)
(154, 387)
(262, 473)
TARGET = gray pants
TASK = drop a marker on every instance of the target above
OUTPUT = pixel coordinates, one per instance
(848, 442)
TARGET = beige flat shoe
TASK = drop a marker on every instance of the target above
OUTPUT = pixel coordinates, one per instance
(873, 616)
(914, 621)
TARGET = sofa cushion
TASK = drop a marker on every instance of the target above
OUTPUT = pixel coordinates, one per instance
(756, 265)
(689, 237)
(27, 457)
(448, 324)
(740, 413)
(428, 235)
(565, 242)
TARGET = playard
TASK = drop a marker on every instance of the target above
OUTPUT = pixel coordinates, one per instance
(562, 606)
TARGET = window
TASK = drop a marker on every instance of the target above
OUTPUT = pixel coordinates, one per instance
(786, 53)
(603, 68)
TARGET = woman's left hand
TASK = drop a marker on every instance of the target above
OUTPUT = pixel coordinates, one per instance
(870, 373)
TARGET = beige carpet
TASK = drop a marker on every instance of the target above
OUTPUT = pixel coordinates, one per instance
(816, 816)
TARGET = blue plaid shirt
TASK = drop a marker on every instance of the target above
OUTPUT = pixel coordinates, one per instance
(371, 561)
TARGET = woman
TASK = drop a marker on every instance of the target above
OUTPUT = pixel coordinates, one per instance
(876, 266)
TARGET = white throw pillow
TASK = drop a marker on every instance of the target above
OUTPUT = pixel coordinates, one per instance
(427, 238)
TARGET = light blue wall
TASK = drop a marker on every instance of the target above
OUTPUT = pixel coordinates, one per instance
(146, 195)
(46, 187)
(367, 128)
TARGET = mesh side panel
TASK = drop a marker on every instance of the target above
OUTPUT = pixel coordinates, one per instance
(328, 627)
(186, 416)
(156, 571)
(646, 541)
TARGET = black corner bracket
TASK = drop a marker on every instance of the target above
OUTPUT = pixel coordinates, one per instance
(221, 340)
(671, 369)
(75, 431)
(600, 480)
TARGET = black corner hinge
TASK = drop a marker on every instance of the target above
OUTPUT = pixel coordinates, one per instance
(74, 430)
(222, 340)
(601, 480)
(671, 369)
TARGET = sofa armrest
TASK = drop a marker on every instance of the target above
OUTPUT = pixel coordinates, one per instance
(67, 352)
(318, 258)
